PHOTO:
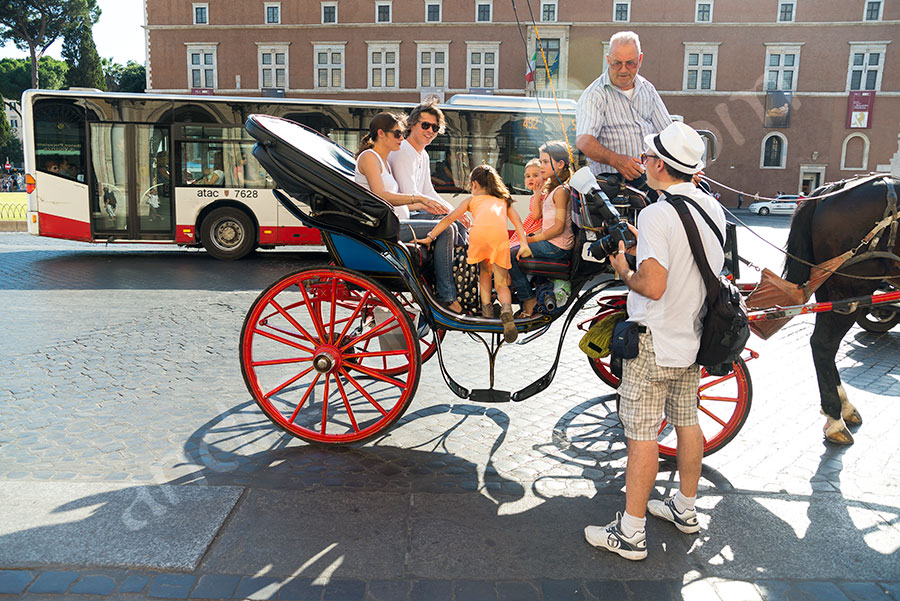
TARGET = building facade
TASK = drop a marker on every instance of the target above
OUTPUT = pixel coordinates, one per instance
(798, 92)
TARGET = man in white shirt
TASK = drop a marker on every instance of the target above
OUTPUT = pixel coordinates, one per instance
(664, 374)
(412, 170)
(617, 110)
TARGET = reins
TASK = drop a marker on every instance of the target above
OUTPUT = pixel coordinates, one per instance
(848, 257)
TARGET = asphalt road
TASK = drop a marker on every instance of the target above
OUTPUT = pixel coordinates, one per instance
(134, 464)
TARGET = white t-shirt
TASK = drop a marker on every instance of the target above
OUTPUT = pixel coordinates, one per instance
(674, 319)
(412, 170)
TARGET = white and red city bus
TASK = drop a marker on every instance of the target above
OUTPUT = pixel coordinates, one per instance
(150, 168)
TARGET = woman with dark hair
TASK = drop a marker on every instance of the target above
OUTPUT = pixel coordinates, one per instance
(374, 173)
(555, 240)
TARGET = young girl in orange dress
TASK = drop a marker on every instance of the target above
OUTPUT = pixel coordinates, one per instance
(490, 205)
(534, 182)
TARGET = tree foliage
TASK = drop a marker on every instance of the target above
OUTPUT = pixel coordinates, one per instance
(80, 52)
(33, 25)
(15, 75)
(131, 78)
(10, 147)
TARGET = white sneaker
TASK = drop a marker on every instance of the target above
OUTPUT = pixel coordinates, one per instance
(686, 521)
(611, 538)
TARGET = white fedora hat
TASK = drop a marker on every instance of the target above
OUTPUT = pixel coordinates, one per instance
(679, 146)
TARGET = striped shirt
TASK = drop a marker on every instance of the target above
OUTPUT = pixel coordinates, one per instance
(618, 123)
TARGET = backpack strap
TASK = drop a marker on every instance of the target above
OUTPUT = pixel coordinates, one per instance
(704, 214)
(693, 236)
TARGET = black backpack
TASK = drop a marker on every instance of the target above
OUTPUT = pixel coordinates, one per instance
(725, 325)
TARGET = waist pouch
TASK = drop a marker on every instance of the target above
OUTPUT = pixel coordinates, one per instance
(625, 339)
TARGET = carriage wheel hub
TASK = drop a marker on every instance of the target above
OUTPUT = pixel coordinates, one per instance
(324, 361)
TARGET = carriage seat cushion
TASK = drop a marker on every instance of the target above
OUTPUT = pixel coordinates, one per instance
(556, 269)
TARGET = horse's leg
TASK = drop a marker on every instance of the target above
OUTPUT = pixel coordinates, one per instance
(851, 416)
(829, 331)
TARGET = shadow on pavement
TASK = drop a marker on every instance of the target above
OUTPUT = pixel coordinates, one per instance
(312, 516)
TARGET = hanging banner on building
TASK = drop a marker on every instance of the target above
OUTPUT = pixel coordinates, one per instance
(778, 109)
(860, 106)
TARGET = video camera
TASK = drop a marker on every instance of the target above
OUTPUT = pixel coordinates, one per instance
(597, 213)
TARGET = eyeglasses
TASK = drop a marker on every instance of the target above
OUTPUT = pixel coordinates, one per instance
(426, 125)
(617, 65)
(398, 133)
(645, 156)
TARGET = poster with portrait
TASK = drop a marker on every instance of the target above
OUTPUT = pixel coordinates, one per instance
(778, 109)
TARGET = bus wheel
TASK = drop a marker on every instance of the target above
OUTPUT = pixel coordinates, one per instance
(228, 234)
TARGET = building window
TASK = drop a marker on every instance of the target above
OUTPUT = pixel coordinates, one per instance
(786, 11)
(622, 11)
(855, 153)
(329, 12)
(273, 13)
(273, 66)
(383, 65)
(482, 67)
(703, 14)
(202, 67)
(774, 152)
(328, 62)
(700, 61)
(382, 12)
(433, 67)
(433, 12)
(782, 64)
(484, 11)
(551, 50)
(873, 10)
(866, 66)
(548, 12)
(201, 14)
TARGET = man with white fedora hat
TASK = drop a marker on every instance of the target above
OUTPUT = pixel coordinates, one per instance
(666, 301)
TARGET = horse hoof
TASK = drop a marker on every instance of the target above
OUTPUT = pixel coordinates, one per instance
(837, 433)
(853, 418)
(841, 437)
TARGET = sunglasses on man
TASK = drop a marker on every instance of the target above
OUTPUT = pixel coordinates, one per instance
(426, 125)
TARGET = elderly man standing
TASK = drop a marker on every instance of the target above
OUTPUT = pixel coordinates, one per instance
(616, 112)
(666, 299)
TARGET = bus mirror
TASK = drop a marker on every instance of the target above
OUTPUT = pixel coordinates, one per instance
(712, 145)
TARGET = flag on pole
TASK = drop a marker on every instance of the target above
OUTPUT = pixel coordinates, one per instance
(554, 67)
(529, 74)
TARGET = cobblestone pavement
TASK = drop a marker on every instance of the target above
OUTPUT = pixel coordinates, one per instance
(123, 406)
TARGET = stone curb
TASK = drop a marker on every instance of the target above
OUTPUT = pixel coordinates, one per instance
(166, 585)
(13, 226)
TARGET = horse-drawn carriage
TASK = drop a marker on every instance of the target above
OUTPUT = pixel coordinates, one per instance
(333, 354)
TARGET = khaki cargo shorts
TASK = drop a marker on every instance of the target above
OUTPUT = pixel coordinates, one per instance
(647, 389)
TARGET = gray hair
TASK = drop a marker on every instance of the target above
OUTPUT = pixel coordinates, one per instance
(626, 37)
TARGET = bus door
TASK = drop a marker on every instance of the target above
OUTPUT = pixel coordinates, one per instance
(131, 191)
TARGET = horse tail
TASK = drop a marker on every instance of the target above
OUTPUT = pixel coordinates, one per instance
(799, 243)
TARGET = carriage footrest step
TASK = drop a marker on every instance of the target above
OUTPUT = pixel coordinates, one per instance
(489, 395)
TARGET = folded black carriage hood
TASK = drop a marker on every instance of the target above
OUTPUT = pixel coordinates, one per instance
(317, 172)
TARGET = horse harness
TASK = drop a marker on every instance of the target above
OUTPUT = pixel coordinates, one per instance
(873, 238)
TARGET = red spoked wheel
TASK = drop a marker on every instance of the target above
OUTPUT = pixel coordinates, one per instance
(330, 356)
(723, 401)
(427, 335)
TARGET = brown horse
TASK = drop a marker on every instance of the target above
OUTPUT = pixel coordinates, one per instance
(826, 228)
